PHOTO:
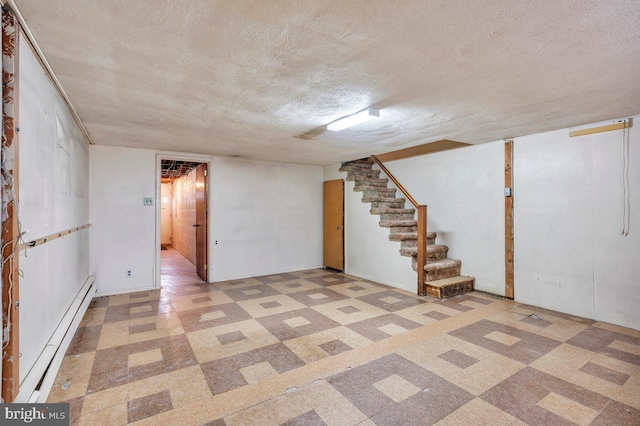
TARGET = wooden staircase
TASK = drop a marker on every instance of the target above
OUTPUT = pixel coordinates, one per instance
(441, 277)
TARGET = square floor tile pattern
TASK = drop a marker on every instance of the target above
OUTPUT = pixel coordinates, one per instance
(352, 351)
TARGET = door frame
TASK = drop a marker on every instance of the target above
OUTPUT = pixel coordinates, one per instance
(157, 282)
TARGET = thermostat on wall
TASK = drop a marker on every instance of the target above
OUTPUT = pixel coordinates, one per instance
(148, 201)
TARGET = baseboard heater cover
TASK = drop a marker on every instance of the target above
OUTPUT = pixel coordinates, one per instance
(37, 384)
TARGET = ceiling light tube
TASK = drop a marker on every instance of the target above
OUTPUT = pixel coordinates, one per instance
(353, 119)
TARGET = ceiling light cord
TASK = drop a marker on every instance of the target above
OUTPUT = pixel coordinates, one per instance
(626, 193)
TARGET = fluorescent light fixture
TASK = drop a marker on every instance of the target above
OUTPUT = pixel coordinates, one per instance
(353, 119)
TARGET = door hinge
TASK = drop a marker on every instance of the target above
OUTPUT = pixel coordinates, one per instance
(205, 266)
(205, 172)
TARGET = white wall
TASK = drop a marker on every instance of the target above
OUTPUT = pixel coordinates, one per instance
(569, 253)
(266, 218)
(123, 233)
(54, 196)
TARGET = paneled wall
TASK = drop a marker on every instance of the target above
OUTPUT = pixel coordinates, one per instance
(184, 216)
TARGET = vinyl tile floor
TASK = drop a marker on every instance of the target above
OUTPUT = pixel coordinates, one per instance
(318, 347)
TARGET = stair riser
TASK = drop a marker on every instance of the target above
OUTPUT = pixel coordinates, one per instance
(443, 273)
(362, 172)
(382, 205)
(431, 256)
(450, 291)
(414, 243)
(401, 216)
(354, 169)
(387, 193)
(365, 182)
(402, 229)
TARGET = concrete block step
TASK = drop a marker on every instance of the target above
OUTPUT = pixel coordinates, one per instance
(449, 287)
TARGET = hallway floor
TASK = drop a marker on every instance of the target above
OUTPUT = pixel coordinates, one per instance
(318, 347)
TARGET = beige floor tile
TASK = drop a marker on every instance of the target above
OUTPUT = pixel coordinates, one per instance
(503, 338)
(562, 330)
(617, 329)
(93, 316)
(146, 357)
(630, 392)
(107, 398)
(72, 379)
(485, 374)
(111, 416)
(256, 372)
(118, 299)
(182, 303)
(625, 347)
(114, 334)
(477, 412)
(568, 409)
(187, 385)
(396, 388)
(595, 384)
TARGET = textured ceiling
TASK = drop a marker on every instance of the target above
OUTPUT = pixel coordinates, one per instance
(244, 78)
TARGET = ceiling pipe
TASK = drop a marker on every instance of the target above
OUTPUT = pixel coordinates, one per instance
(11, 5)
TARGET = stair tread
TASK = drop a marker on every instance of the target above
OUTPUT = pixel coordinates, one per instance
(442, 264)
(370, 179)
(445, 282)
(391, 210)
(399, 222)
(382, 200)
(371, 188)
(430, 249)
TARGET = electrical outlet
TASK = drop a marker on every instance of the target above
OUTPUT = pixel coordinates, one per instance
(129, 273)
(148, 201)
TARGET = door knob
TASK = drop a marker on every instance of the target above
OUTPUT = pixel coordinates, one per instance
(196, 225)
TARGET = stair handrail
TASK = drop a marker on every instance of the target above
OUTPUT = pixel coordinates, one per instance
(422, 228)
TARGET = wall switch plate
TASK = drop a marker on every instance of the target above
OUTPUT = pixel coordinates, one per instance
(507, 192)
(148, 201)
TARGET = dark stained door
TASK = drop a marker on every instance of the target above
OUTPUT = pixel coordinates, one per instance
(334, 224)
(201, 220)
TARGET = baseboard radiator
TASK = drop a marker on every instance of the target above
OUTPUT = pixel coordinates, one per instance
(37, 384)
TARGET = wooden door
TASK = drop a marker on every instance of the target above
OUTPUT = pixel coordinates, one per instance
(201, 220)
(334, 224)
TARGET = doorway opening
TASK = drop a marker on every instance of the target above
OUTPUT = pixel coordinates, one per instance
(184, 222)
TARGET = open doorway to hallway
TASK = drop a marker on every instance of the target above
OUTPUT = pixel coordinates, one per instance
(183, 222)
